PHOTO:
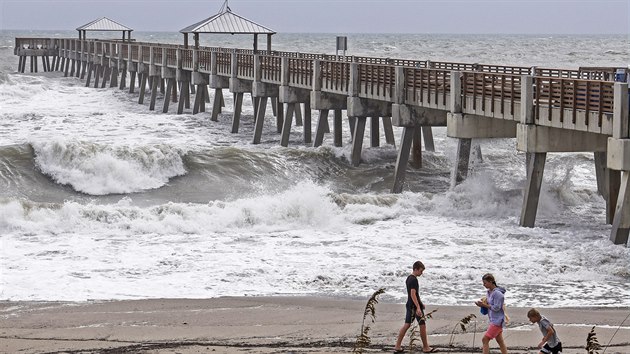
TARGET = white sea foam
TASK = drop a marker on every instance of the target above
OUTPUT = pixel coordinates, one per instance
(291, 220)
(98, 170)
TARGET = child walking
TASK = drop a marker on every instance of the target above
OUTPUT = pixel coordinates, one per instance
(550, 343)
(415, 310)
(496, 314)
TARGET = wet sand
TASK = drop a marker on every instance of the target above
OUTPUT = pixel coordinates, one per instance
(275, 325)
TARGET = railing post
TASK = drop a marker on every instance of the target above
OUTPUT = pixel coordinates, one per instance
(140, 56)
(195, 63)
(164, 58)
(621, 128)
(456, 92)
(317, 75)
(400, 92)
(353, 85)
(284, 72)
(214, 63)
(234, 65)
(257, 68)
(527, 99)
(178, 58)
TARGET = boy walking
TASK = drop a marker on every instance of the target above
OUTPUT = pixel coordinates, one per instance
(550, 344)
(415, 310)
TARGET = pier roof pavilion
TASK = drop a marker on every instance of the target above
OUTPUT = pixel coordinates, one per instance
(104, 24)
(227, 22)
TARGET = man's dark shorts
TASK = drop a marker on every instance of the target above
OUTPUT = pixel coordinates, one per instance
(411, 311)
(549, 350)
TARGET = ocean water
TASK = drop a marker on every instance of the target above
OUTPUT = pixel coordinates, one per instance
(101, 198)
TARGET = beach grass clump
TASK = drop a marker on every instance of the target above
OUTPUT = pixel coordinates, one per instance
(369, 316)
(592, 344)
(463, 325)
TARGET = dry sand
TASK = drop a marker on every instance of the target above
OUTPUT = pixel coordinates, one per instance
(273, 325)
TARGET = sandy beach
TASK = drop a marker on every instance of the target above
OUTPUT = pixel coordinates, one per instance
(273, 325)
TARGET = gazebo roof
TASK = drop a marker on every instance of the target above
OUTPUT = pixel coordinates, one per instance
(227, 22)
(103, 24)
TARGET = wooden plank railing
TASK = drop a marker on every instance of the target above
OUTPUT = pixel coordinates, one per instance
(146, 54)
(270, 68)
(377, 81)
(491, 93)
(572, 96)
(301, 73)
(427, 87)
(171, 57)
(224, 63)
(245, 66)
(204, 60)
(157, 55)
(187, 59)
(335, 76)
(135, 55)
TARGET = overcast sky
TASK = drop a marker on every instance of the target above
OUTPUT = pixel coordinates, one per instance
(333, 16)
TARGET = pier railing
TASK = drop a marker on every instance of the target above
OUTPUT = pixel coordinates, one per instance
(580, 99)
(427, 87)
(497, 95)
(574, 104)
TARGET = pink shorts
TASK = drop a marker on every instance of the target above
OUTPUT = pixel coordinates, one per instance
(493, 331)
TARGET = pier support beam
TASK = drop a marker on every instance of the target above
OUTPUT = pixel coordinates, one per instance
(200, 80)
(324, 102)
(183, 78)
(169, 74)
(537, 141)
(143, 72)
(293, 98)
(403, 157)
(359, 109)
(535, 169)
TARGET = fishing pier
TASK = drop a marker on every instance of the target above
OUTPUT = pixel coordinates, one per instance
(547, 110)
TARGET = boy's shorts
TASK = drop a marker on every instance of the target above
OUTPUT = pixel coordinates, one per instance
(411, 313)
(493, 331)
(549, 350)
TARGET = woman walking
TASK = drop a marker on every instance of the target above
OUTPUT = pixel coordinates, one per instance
(496, 314)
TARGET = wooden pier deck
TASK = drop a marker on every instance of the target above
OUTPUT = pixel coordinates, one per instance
(546, 109)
